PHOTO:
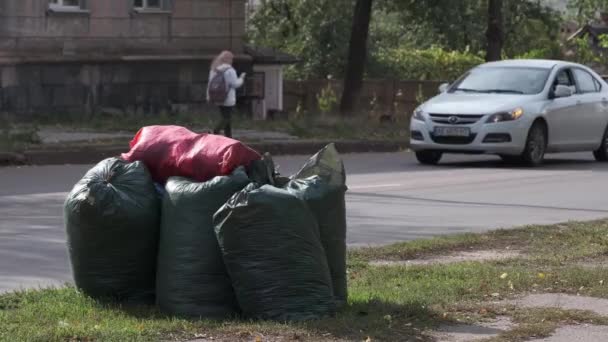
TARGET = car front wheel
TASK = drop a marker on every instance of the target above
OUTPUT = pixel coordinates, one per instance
(601, 154)
(429, 157)
(536, 145)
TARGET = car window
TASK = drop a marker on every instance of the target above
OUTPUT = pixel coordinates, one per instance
(564, 78)
(586, 82)
(503, 80)
(598, 85)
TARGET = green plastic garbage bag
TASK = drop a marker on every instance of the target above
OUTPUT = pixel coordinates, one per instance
(262, 171)
(326, 164)
(112, 219)
(271, 248)
(321, 183)
(191, 277)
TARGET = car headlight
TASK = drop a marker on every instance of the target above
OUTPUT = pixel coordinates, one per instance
(418, 115)
(506, 116)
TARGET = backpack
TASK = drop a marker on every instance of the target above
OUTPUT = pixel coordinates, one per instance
(218, 88)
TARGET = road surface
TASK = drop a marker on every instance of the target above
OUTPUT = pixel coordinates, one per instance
(390, 198)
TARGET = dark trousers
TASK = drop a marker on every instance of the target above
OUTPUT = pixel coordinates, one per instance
(225, 122)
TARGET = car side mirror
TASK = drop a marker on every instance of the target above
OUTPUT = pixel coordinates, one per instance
(444, 87)
(562, 91)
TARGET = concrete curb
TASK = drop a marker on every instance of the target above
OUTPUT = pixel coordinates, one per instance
(7, 158)
(93, 154)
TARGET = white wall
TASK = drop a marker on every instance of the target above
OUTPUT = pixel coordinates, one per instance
(273, 85)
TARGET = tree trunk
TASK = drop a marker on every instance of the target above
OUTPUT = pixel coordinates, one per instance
(494, 34)
(357, 56)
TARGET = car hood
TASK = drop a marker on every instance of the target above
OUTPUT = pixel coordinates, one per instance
(449, 103)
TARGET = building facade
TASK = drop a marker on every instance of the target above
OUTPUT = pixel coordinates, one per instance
(80, 57)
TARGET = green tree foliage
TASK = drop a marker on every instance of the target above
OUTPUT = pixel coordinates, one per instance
(317, 31)
(434, 63)
(529, 26)
(454, 24)
(586, 10)
(586, 54)
(527, 23)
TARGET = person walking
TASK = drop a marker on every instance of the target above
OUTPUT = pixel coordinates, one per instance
(221, 89)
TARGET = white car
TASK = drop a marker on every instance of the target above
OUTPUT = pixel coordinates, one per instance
(518, 109)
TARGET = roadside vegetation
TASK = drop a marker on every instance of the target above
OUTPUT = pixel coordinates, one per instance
(388, 302)
(16, 137)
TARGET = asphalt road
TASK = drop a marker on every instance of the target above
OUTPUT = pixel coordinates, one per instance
(390, 198)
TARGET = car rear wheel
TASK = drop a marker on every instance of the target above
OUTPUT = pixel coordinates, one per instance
(429, 157)
(601, 154)
(536, 145)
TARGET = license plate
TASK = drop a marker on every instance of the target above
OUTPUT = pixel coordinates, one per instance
(452, 131)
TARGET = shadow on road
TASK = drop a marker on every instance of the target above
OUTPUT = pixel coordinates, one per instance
(369, 163)
(549, 164)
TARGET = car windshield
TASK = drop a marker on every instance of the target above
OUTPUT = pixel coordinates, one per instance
(503, 80)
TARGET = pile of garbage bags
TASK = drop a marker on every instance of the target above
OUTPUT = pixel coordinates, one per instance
(203, 226)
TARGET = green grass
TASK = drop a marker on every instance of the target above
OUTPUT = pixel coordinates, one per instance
(542, 322)
(16, 135)
(64, 314)
(333, 127)
(387, 303)
(553, 244)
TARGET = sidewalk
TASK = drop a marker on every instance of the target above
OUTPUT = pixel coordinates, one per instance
(49, 136)
(85, 147)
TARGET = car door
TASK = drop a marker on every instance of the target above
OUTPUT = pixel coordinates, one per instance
(591, 115)
(561, 112)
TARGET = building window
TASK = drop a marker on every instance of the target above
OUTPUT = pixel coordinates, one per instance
(65, 4)
(148, 4)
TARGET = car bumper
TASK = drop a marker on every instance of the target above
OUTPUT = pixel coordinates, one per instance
(484, 138)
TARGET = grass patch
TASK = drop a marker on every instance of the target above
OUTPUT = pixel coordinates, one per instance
(66, 314)
(553, 244)
(542, 322)
(17, 137)
(387, 303)
(333, 127)
(306, 127)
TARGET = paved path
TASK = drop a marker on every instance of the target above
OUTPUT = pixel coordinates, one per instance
(391, 198)
(54, 135)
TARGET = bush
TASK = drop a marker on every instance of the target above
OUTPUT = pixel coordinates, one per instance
(429, 64)
(541, 53)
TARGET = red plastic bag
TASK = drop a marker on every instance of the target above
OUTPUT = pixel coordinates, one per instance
(170, 151)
